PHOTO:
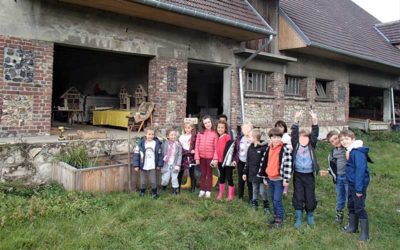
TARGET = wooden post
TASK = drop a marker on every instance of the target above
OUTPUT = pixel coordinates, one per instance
(129, 160)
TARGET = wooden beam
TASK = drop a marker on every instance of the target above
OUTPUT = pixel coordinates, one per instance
(288, 37)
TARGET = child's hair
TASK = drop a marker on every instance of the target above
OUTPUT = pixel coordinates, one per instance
(226, 126)
(201, 124)
(332, 133)
(282, 124)
(190, 124)
(275, 132)
(256, 133)
(223, 116)
(304, 132)
(347, 133)
(169, 130)
(147, 129)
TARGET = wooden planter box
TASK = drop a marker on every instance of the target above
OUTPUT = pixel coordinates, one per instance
(95, 179)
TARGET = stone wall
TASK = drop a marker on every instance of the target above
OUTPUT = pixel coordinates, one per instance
(25, 86)
(32, 162)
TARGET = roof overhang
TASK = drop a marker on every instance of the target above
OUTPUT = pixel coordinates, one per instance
(159, 11)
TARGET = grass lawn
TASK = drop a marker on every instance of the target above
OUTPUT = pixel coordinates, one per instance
(49, 218)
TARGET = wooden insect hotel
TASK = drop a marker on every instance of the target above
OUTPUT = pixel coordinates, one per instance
(140, 95)
(71, 99)
(124, 99)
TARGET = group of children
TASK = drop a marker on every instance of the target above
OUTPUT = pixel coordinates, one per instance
(260, 166)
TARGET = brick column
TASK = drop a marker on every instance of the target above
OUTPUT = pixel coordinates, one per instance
(235, 99)
(168, 90)
(26, 76)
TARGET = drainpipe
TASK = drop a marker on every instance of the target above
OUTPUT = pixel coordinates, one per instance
(393, 111)
(241, 66)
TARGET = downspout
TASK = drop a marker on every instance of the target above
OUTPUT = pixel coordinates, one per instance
(393, 111)
(241, 66)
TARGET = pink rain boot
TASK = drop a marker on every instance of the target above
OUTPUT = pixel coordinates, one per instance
(221, 191)
(231, 193)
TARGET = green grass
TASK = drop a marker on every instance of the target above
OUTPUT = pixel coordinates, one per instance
(48, 217)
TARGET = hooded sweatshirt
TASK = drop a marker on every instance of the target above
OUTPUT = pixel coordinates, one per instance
(357, 166)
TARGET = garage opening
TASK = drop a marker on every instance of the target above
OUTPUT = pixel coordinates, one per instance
(366, 102)
(205, 90)
(96, 79)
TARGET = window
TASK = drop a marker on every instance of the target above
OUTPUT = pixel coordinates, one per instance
(292, 86)
(256, 82)
(320, 88)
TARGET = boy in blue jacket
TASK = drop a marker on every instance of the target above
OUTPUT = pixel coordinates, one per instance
(358, 178)
(147, 157)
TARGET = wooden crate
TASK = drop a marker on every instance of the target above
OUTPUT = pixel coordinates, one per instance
(95, 179)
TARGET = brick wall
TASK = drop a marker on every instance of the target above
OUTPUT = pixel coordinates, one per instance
(26, 75)
(168, 90)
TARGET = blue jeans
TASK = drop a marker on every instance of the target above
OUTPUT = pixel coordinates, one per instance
(276, 190)
(342, 190)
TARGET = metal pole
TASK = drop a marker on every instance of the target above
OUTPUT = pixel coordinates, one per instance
(129, 161)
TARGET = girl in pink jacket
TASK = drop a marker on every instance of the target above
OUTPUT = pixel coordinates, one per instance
(206, 154)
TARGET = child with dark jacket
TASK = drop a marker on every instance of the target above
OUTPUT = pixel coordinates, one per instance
(147, 158)
(337, 169)
(254, 161)
(357, 174)
(305, 166)
(277, 169)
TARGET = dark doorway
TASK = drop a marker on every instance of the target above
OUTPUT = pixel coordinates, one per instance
(97, 75)
(366, 102)
(205, 90)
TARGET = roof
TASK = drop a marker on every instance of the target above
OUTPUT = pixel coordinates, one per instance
(391, 31)
(234, 10)
(341, 26)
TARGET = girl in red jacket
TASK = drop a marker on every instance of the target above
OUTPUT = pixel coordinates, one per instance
(225, 172)
(206, 154)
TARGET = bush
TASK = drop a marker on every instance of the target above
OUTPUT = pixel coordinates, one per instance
(77, 157)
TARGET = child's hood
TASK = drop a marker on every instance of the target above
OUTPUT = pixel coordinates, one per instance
(355, 144)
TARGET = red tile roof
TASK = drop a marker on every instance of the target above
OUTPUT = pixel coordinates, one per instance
(236, 10)
(391, 31)
(341, 26)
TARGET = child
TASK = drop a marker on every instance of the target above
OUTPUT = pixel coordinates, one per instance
(337, 169)
(285, 135)
(224, 118)
(147, 157)
(172, 152)
(305, 165)
(358, 177)
(253, 162)
(206, 154)
(277, 168)
(224, 171)
(242, 144)
(188, 141)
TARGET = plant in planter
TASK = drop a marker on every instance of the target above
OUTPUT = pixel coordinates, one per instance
(77, 157)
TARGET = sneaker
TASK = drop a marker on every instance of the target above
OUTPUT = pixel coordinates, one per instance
(155, 196)
(202, 193)
(208, 194)
(277, 223)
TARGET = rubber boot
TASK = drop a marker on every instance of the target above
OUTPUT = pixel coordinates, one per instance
(266, 207)
(193, 186)
(142, 192)
(364, 235)
(254, 204)
(231, 193)
(299, 217)
(221, 191)
(187, 184)
(339, 217)
(154, 194)
(352, 227)
(310, 218)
